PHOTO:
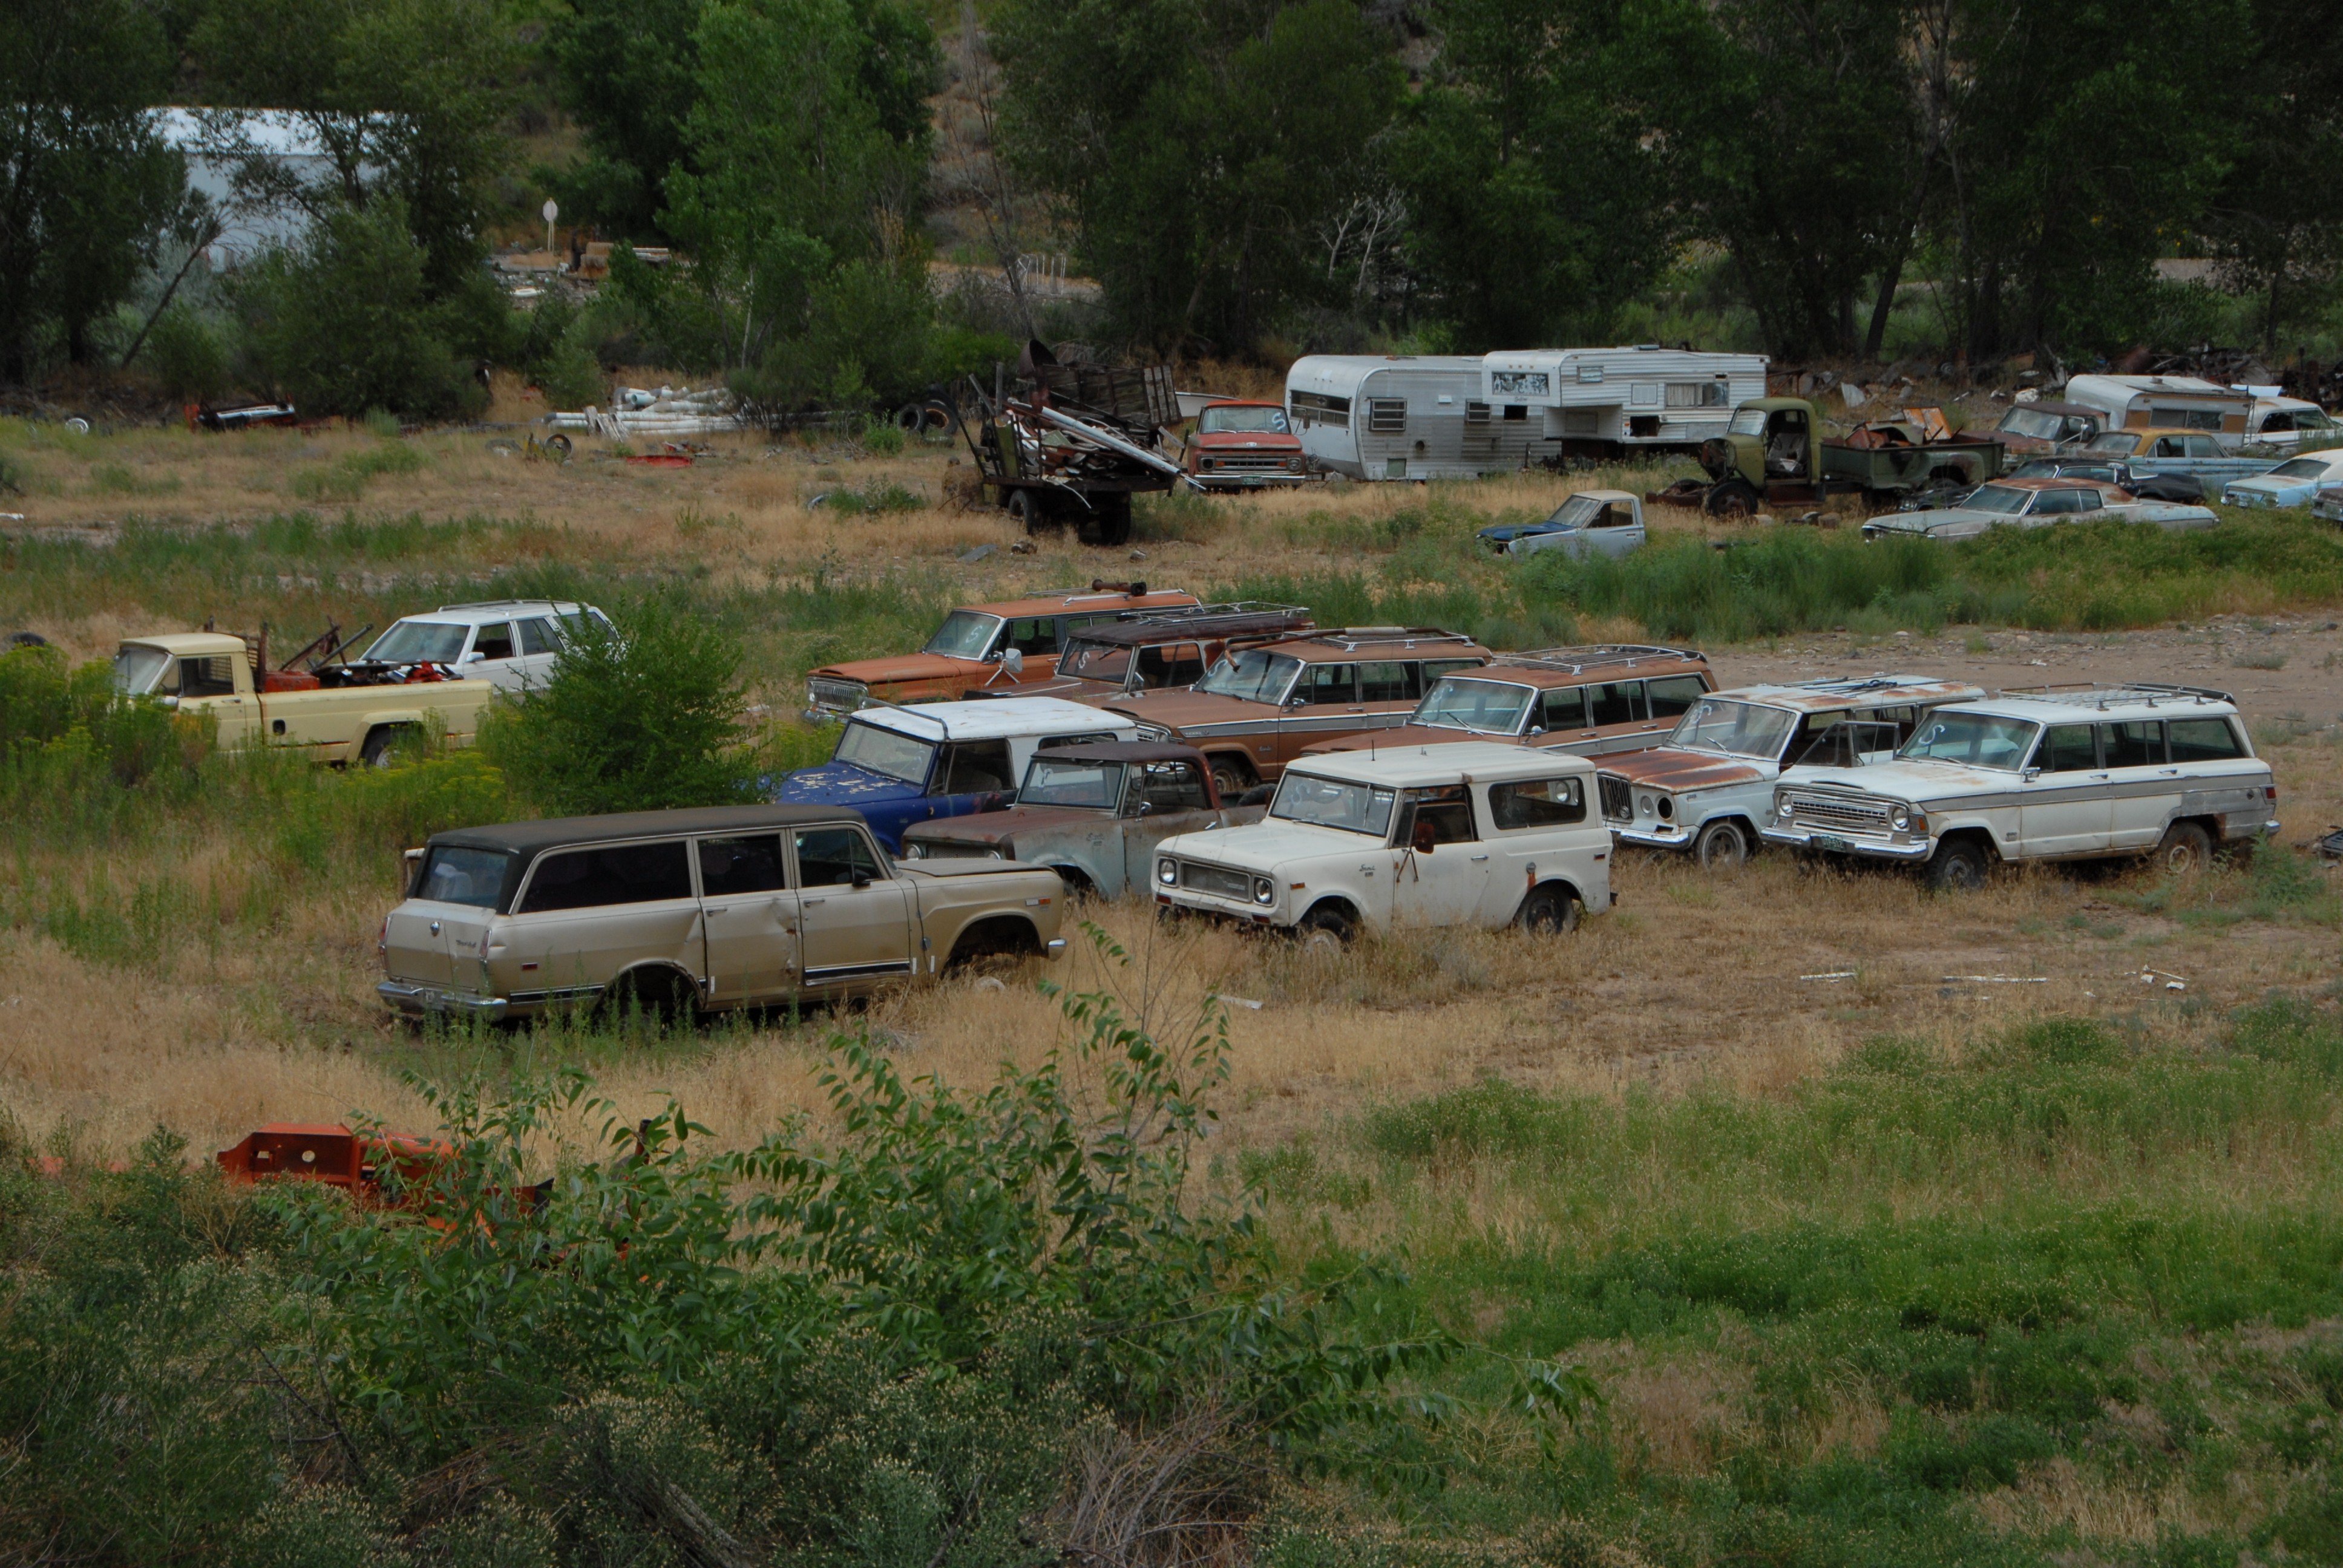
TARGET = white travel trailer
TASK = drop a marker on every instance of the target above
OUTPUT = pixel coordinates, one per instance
(1448, 416)
(1618, 402)
(2166, 403)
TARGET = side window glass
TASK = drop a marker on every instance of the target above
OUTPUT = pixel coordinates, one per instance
(1563, 708)
(1388, 680)
(1034, 635)
(1325, 685)
(2168, 447)
(1540, 803)
(2204, 740)
(1440, 815)
(745, 865)
(972, 767)
(834, 857)
(612, 874)
(212, 676)
(1672, 696)
(494, 641)
(2054, 501)
(537, 637)
(1174, 786)
(2139, 744)
(2068, 748)
(2204, 447)
(1178, 664)
(1615, 702)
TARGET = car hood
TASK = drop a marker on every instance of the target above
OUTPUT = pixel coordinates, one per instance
(1506, 533)
(843, 784)
(1177, 708)
(1221, 441)
(1264, 846)
(992, 826)
(901, 667)
(1405, 735)
(1917, 783)
(1666, 768)
(2266, 484)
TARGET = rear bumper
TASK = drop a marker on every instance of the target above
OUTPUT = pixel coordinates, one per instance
(416, 1001)
(1055, 947)
(1840, 844)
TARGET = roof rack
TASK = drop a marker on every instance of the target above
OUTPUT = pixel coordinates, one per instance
(499, 604)
(1351, 637)
(2148, 692)
(1197, 620)
(1573, 660)
(1851, 683)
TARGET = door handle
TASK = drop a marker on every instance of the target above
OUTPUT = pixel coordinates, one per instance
(809, 903)
(1478, 858)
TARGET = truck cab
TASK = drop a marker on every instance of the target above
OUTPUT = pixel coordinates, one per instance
(1245, 446)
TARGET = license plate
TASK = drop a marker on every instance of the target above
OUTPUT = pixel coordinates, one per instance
(1831, 842)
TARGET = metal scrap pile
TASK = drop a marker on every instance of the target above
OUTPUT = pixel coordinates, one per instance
(640, 414)
(1073, 443)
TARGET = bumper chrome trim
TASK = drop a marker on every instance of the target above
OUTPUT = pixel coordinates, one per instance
(419, 1000)
(1804, 839)
(1055, 947)
(1655, 837)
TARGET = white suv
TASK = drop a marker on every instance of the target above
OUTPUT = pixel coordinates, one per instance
(2159, 771)
(512, 642)
(1470, 833)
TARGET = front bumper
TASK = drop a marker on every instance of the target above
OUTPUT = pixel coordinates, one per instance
(1245, 481)
(416, 1001)
(1667, 836)
(1815, 839)
(1198, 903)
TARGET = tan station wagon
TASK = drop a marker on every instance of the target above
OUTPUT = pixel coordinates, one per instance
(726, 907)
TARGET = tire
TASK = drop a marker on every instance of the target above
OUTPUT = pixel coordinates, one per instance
(1110, 524)
(1229, 780)
(1958, 866)
(1732, 498)
(937, 419)
(658, 996)
(1025, 510)
(376, 749)
(1549, 911)
(2186, 849)
(1721, 846)
(908, 418)
(558, 445)
(1326, 932)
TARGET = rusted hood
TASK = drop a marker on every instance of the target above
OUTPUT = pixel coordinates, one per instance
(1178, 708)
(1405, 735)
(992, 826)
(1245, 440)
(1665, 768)
(904, 669)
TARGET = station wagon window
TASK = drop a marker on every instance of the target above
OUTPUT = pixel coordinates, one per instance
(889, 753)
(965, 634)
(494, 641)
(211, 676)
(1434, 669)
(2204, 740)
(1671, 695)
(1387, 416)
(459, 874)
(1333, 803)
(1537, 803)
(749, 864)
(2139, 744)
(1329, 685)
(1252, 675)
(539, 637)
(1172, 787)
(1615, 702)
(834, 857)
(1067, 782)
(971, 767)
(1977, 738)
(1441, 814)
(2068, 748)
(1390, 680)
(1179, 664)
(607, 874)
(1485, 704)
(1034, 636)
(1563, 708)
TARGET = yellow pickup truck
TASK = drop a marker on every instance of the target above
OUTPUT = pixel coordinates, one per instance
(339, 714)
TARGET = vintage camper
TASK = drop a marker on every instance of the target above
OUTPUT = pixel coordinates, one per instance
(1427, 417)
(2168, 402)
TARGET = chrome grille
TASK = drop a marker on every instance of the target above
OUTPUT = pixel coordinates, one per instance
(1218, 880)
(1251, 463)
(836, 696)
(1835, 811)
(1618, 801)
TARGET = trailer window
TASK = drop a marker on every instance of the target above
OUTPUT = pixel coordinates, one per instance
(1387, 416)
(2185, 418)
(1696, 395)
(1476, 413)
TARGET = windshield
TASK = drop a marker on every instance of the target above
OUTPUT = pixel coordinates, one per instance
(964, 634)
(1576, 512)
(1252, 675)
(1244, 421)
(2118, 442)
(1096, 661)
(1735, 729)
(457, 875)
(1999, 499)
(1488, 706)
(2300, 468)
(1095, 785)
(420, 642)
(1331, 803)
(887, 752)
(2033, 422)
(137, 670)
(1749, 422)
(1977, 738)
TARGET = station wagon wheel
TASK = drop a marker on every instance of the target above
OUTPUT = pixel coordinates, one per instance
(1722, 846)
(1229, 780)
(1957, 867)
(1549, 912)
(2185, 850)
(652, 996)
(1325, 932)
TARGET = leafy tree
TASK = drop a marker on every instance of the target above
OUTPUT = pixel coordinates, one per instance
(641, 721)
(2277, 218)
(85, 186)
(628, 72)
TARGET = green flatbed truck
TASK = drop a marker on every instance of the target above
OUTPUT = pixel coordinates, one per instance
(1773, 453)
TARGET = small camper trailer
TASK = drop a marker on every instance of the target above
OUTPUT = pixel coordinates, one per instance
(1614, 403)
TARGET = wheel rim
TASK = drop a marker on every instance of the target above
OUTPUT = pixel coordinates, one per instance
(2182, 858)
(1963, 873)
(1230, 786)
(1318, 942)
(1721, 850)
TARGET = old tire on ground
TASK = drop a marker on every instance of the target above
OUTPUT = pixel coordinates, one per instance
(1230, 779)
(1957, 867)
(1109, 523)
(382, 742)
(938, 418)
(1722, 846)
(1732, 498)
(558, 445)
(1326, 932)
(1549, 911)
(2185, 850)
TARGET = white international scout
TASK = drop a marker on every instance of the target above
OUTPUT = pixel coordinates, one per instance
(2164, 771)
(1469, 834)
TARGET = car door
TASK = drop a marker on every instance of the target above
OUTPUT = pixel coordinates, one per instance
(1616, 531)
(538, 650)
(2144, 785)
(2063, 806)
(1324, 706)
(209, 679)
(1620, 714)
(749, 917)
(590, 914)
(856, 920)
(1440, 864)
(1164, 799)
(1529, 828)
(494, 655)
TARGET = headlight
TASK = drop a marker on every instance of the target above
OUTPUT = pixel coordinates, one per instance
(915, 850)
(1264, 891)
(1167, 871)
(1645, 803)
(1783, 808)
(1293, 464)
(1667, 807)
(1899, 816)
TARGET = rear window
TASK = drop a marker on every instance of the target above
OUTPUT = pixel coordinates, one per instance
(458, 874)
(2204, 740)
(609, 874)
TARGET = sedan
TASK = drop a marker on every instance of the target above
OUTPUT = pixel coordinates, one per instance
(2293, 483)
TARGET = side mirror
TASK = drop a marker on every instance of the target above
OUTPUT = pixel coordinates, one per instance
(1013, 662)
(1145, 807)
(475, 656)
(1299, 699)
(2031, 774)
(861, 880)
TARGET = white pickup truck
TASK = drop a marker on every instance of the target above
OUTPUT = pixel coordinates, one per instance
(1468, 834)
(2164, 771)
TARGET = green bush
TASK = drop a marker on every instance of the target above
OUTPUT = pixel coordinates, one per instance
(189, 356)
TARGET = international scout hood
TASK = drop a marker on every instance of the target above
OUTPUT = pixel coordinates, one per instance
(992, 826)
(1265, 845)
(843, 784)
(902, 668)
(1405, 735)
(1181, 710)
(1679, 772)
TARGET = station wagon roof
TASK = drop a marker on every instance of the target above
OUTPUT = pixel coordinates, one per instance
(1420, 766)
(529, 839)
(1597, 656)
(1205, 620)
(2067, 705)
(993, 718)
(1137, 597)
(1349, 642)
(1856, 692)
